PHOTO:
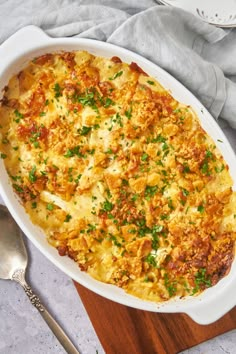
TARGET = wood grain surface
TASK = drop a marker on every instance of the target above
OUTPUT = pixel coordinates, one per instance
(124, 330)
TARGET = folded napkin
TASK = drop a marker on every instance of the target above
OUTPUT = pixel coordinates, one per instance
(199, 55)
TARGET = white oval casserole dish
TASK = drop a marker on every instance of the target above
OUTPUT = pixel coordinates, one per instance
(15, 53)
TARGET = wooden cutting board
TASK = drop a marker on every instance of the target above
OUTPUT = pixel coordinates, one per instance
(124, 330)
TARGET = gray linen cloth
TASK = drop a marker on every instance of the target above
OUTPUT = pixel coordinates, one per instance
(199, 55)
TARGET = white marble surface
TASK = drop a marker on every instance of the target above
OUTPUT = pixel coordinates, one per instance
(23, 331)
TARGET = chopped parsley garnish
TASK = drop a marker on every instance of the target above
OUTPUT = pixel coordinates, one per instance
(16, 178)
(185, 192)
(42, 114)
(107, 206)
(18, 115)
(219, 169)
(151, 82)
(58, 90)
(108, 193)
(162, 190)
(143, 229)
(164, 216)
(144, 157)
(201, 209)
(205, 168)
(84, 130)
(164, 172)
(91, 152)
(159, 163)
(90, 228)
(165, 146)
(34, 205)
(159, 139)
(170, 204)
(119, 73)
(186, 168)
(74, 152)
(33, 139)
(109, 151)
(209, 154)
(125, 182)
(108, 102)
(155, 239)
(68, 218)
(134, 197)
(88, 99)
(132, 231)
(32, 176)
(170, 285)
(182, 118)
(78, 178)
(201, 280)
(150, 191)
(114, 240)
(178, 110)
(118, 120)
(128, 113)
(3, 156)
(146, 279)
(50, 206)
(45, 161)
(36, 144)
(5, 141)
(18, 188)
(151, 259)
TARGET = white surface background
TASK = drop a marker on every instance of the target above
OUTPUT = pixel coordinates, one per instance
(23, 331)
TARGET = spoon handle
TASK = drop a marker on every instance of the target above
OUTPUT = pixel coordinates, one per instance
(19, 276)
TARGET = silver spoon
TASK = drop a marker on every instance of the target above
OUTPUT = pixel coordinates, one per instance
(13, 263)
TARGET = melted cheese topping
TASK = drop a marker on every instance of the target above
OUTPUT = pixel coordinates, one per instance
(121, 177)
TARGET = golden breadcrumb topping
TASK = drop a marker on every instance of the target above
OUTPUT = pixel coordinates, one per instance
(120, 176)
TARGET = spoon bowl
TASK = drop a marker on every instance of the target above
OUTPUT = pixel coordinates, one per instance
(13, 255)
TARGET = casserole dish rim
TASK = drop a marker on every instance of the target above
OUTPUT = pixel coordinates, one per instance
(30, 42)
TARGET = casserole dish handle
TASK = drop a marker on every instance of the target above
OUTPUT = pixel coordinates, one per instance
(20, 42)
(207, 312)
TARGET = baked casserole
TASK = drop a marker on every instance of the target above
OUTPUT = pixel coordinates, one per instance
(121, 177)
